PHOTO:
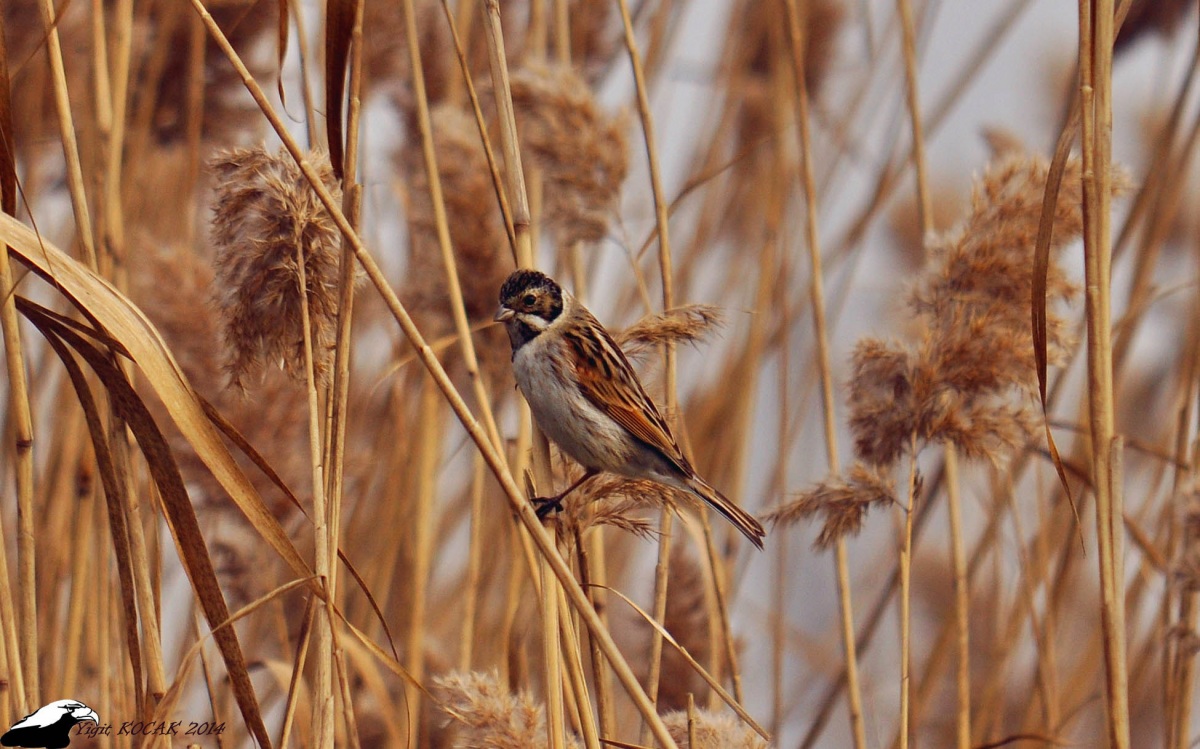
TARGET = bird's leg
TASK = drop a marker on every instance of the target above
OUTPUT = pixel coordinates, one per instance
(546, 505)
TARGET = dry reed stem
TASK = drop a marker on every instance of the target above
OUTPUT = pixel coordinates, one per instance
(1095, 61)
(20, 413)
(323, 727)
(963, 715)
(962, 598)
(441, 224)
(339, 397)
(662, 224)
(493, 169)
(798, 45)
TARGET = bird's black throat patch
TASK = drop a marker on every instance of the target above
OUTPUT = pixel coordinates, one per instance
(528, 292)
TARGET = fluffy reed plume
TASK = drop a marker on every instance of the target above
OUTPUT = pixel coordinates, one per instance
(1187, 567)
(687, 324)
(488, 716)
(970, 378)
(687, 620)
(161, 90)
(843, 501)
(712, 731)
(595, 36)
(581, 150)
(476, 233)
(616, 501)
(1147, 17)
(265, 210)
(386, 63)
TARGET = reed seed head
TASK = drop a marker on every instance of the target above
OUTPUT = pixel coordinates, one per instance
(266, 217)
(843, 501)
(581, 150)
(970, 379)
(712, 731)
(488, 716)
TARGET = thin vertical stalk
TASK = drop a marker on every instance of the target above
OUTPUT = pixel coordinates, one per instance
(66, 129)
(518, 198)
(961, 599)
(573, 654)
(797, 46)
(906, 597)
(429, 456)
(1095, 65)
(552, 653)
(911, 94)
(454, 292)
(474, 565)
(16, 650)
(663, 566)
(592, 578)
(481, 124)
(322, 692)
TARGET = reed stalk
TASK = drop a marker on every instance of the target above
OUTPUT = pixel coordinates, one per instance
(1095, 65)
(797, 47)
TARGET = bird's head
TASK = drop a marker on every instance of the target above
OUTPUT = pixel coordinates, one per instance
(529, 302)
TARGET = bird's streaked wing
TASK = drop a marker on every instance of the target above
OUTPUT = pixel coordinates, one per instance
(608, 381)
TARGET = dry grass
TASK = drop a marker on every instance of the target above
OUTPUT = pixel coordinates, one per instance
(208, 416)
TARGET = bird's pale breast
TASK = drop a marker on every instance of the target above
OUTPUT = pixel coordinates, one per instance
(590, 437)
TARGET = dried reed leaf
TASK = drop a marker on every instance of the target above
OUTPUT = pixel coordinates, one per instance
(339, 28)
(686, 618)
(120, 319)
(177, 510)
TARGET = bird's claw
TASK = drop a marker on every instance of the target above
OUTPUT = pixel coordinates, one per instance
(547, 505)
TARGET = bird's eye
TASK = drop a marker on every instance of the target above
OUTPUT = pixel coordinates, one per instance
(528, 300)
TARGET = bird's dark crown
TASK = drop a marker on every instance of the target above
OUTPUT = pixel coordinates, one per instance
(530, 292)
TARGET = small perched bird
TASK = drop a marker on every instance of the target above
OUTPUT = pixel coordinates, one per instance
(587, 399)
(49, 726)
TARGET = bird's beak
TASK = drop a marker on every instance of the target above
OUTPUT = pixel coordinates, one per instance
(88, 715)
(504, 314)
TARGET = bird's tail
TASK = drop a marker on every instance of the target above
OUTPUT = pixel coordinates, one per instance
(742, 520)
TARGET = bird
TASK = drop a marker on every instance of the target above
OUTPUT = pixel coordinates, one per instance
(49, 726)
(586, 398)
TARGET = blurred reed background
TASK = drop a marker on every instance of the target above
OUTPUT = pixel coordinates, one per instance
(264, 464)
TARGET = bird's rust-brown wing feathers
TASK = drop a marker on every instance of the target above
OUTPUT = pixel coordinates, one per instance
(609, 383)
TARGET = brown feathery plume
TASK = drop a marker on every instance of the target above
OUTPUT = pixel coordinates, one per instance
(712, 731)
(956, 384)
(843, 501)
(687, 620)
(489, 716)
(1147, 17)
(159, 93)
(386, 59)
(265, 211)
(595, 36)
(686, 324)
(476, 234)
(581, 150)
(1187, 567)
(613, 500)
